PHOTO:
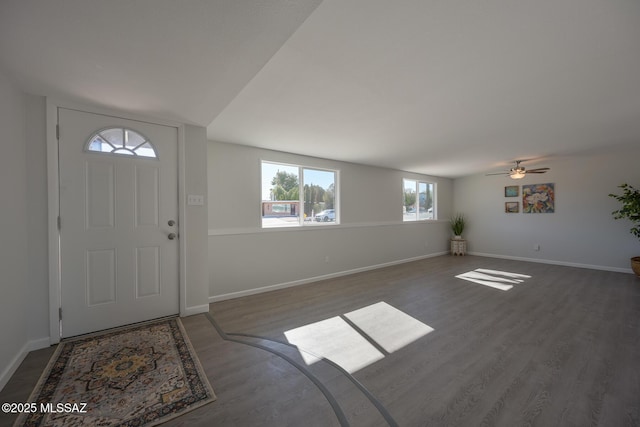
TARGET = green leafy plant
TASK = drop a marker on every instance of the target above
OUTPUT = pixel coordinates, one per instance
(457, 224)
(630, 199)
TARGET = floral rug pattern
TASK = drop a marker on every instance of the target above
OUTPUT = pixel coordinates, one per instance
(142, 376)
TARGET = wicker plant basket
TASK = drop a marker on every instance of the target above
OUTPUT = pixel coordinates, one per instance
(635, 265)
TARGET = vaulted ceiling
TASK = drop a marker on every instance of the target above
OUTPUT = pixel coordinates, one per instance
(445, 88)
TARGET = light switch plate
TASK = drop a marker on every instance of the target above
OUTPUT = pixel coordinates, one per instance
(195, 200)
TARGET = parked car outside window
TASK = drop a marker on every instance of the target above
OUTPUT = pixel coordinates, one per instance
(326, 215)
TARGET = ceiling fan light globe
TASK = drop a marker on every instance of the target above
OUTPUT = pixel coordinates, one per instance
(516, 175)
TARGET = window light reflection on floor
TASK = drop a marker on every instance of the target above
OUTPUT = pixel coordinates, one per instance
(497, 279)
(336, 340)
(358, 338)
(391, 328)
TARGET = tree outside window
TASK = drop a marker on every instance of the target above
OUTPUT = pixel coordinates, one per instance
(418, 200)
(295, 195)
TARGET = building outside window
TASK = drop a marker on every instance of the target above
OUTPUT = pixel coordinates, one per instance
(418, 200)
(294, 196)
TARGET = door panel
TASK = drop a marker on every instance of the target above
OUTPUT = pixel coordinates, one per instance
(117, 264)
(147, 272)
(100, 194)
(101, 276)
(146, 197)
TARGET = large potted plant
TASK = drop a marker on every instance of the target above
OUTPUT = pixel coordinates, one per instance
(457, 225)
(630, 199)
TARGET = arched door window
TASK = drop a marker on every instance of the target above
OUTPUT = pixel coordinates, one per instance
(121, 141)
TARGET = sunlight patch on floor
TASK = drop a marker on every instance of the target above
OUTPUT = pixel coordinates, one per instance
(503, 273)
(497, 279)
(336, 340)
(358, 338)
(391, 328)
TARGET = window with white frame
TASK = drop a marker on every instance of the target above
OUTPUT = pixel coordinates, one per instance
(294, 195)
(418, 200)
(120, 141)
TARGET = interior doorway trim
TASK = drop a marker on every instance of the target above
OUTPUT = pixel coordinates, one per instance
(55, 300)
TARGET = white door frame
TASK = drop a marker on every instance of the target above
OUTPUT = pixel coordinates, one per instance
(54, 205)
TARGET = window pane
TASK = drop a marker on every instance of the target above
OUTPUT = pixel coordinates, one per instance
(120, 141)
(280, 195)
(114, 136)
(319, 196)
(99, 144)
(295, 195)
(422, 200)
(132, 139)
(418, 202)
(409, 207)
(429, 202)
(425, 200)
(145, 150)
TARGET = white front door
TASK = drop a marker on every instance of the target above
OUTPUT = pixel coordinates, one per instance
(118, 221)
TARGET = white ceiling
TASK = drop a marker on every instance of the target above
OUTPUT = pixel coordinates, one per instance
(174, 59)
(446, 88)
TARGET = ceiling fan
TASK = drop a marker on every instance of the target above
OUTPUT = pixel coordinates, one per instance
(518, 172)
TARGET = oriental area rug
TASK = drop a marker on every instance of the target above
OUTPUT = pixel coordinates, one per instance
(138, 376)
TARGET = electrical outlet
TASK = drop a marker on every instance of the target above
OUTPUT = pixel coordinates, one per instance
(326, 259)
(536, 247)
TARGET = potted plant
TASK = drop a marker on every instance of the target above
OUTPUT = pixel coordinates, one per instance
(630, 199)
(457, 225)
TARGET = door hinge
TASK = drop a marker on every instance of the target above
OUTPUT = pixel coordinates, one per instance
(59, 223)
(60, 313)
(57, 132)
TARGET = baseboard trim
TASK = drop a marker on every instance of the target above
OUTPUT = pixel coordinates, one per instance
(285, 285)
(552, 262)
(39, 343)
(13, 366)
(196, 309)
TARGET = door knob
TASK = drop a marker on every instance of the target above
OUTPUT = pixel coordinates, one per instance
(172, 236)
(171, 223)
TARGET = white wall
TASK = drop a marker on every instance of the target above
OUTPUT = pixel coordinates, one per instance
(581, 232)
(243, 258)
(14, 253)
(194, 235)
(38, 291)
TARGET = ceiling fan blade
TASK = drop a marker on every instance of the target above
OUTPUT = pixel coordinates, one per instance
(498, 173)
(538, 170)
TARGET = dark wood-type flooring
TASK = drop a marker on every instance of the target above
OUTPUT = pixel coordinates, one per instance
(561, 348)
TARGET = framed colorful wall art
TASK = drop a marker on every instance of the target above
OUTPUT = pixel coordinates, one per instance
(511, 191)
(538, 198)
(511, 207)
